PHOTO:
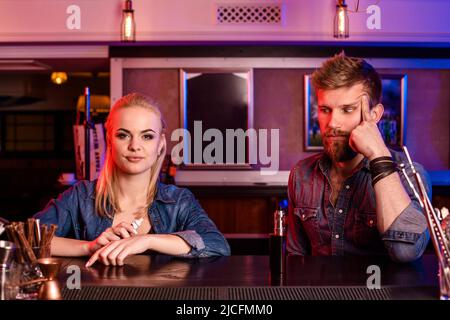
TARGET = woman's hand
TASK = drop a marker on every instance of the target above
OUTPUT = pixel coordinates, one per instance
(122, 230)
(115, 252)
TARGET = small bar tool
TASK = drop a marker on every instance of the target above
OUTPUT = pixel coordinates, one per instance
(50, 289)
(7, 249)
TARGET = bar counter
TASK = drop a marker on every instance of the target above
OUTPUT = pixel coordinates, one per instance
(160, 277)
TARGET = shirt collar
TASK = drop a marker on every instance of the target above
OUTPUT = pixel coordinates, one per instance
(163, 194)
(325, 164)
(91, 189)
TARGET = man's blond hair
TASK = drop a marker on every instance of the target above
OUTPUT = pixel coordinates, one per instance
(342, 71)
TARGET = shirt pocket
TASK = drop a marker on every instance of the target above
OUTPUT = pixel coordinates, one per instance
(365, 230)
(310, 220)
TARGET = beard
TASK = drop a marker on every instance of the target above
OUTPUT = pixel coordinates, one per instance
(338, 150)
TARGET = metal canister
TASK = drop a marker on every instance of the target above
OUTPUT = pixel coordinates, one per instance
(279, 222)
(277, 241)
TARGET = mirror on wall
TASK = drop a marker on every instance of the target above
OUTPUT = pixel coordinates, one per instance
(216, 115)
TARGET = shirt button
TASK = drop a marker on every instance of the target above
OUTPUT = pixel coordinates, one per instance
(303, 216)
(340, 211)
(347, 187)
(371, 222)
(336, 236)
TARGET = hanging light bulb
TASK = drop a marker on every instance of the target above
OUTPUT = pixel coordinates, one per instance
(128, 30)
(341, 23)
(59, 77)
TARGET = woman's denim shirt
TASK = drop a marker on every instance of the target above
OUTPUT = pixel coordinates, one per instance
(174, 211)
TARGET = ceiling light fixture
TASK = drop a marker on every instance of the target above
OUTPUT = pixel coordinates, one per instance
(128, 30)
(59, 77)
(341, 22)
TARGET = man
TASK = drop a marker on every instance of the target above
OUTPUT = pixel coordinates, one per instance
(350, 199)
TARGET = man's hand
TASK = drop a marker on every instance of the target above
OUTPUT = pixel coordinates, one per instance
(366, 138)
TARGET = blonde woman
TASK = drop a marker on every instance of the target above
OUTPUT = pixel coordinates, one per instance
(95, 218)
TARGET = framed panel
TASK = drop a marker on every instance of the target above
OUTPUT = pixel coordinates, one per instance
(312, 135)
(215, 103)
(392, 124)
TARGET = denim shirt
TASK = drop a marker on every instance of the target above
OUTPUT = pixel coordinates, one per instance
(174, 211)
(317, 227)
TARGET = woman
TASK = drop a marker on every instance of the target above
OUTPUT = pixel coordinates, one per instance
(96, 217)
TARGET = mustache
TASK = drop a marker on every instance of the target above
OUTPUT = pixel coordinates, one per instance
(336, 133)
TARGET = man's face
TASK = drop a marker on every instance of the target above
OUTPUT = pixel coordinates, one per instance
(339, 112)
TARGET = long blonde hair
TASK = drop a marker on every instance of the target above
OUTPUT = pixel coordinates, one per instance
(106, 188)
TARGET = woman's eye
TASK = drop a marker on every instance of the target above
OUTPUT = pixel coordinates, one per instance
(147, 137)
(121, 136)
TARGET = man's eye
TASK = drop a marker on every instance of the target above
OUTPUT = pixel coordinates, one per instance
(324, 110)
(348, 110)
(147, 137)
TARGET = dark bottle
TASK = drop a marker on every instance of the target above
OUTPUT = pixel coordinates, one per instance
(277, 249)
(171, 172)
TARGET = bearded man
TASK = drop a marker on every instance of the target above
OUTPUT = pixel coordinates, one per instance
(351, 199)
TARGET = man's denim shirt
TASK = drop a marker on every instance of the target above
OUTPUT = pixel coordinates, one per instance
(317, 227)
(174, 211)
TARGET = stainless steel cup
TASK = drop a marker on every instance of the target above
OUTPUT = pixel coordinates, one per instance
(7, 249)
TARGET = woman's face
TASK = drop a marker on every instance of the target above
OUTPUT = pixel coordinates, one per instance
(135, 139)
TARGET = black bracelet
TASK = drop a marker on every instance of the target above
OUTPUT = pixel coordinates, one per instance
(382, 167)
(381, 163)
(380, 159)
(382, 175)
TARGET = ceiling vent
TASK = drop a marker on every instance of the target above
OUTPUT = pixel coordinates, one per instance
(265, 14)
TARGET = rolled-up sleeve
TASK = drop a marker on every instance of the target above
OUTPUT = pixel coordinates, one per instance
(407, 237)
(199, 231)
